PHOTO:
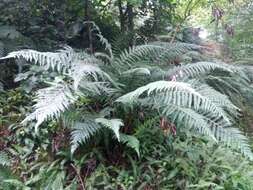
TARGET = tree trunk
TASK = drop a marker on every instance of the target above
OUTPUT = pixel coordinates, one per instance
(87, 19)
(122, 18)
(130, 16)
(130, 23)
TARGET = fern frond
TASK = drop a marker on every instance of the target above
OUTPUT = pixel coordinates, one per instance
(51, 102)
(186, 117)
(82, 131)
(159, 52)
(107, 45)
(4, 159)
(60, 61)
(86, 70)
(140, 70)
(177, 46)
(217, 98)
(198, 69)
(229, 136)
(95, 88)
(157, 87)
(113, 124)
(178, 93)
(131, 141)
(234, 138)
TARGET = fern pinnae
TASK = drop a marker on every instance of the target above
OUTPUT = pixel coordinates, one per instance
(60, 61)
(82, 132)
(199, 68)
(178, 92)
(189, 118)
(51, 102)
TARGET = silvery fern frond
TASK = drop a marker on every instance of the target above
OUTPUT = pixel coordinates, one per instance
(159, 52)
(198, 69)
(227, 135)
(131, 141)
(185, 117)
(186, 106)
(82, 132)
(51, 102)
(59, 61)
(85, 125)
(113, 124)
(87, 70)
(4, 159)
(217, 98)
(177, 93)
(233, 138)
(157, 87)
(137, 71)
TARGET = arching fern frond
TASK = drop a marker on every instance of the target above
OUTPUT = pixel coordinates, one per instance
(177, 93)
(137, 71)
(51, 102)
(218, 130)
(185, 117)
(4, 159)
(113, 124)
(86, 70)
(157, 52)
(156, 87)
(59, 61)
(131, 141)
(82, 131)
(234, 138)
(198, 69)
(217, 98)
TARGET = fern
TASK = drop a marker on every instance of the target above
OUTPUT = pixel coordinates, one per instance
(102, 39)
(178, 93)
(140, 71)
(84, 126)
(198, 69)
(234, 138)
(83, 69)
(4, 159)
(82, 78)
(185, 106)
(51, 102)
(60, 61)
(159, 52)
(131, 141)
(217, 98)
(185, 117)
(82, 131)
(113, 124)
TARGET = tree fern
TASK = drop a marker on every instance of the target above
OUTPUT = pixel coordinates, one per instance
(79, 70)
(183, 105)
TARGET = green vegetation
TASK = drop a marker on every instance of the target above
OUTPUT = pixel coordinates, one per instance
(125, 95)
